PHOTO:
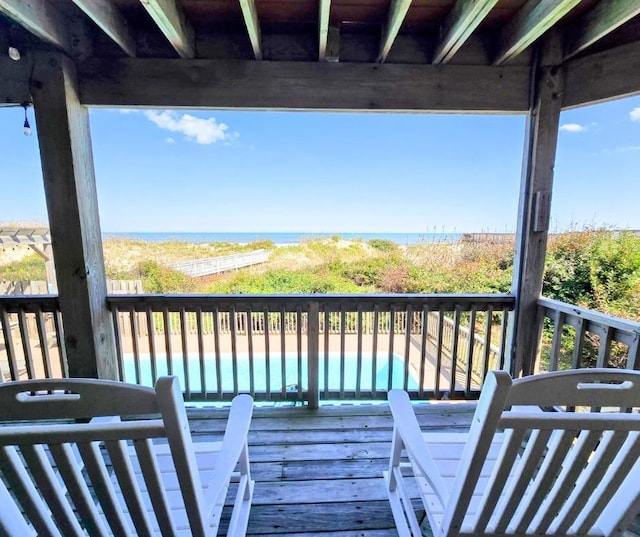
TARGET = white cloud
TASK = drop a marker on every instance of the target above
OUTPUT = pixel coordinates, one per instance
(627, 148)
(170, 141)
(572, 127)
(635, 114)
(202, 131)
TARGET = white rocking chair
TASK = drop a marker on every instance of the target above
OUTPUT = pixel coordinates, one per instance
(108, 476)
(520, 470)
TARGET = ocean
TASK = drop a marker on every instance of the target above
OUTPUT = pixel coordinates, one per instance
(282, 238)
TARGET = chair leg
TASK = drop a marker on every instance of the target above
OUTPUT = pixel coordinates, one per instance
(403, 514)
(242, 504)
(241, 507)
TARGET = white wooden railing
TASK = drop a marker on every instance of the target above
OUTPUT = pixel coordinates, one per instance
(585, 338)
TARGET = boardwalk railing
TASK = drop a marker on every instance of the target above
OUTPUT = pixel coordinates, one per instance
(585, 338)
(294, 348)
(214, 265)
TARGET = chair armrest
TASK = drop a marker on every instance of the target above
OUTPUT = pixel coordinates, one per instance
(407, 426)
(233, 444)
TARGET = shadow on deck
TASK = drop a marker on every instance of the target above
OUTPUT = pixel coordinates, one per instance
(320, 472)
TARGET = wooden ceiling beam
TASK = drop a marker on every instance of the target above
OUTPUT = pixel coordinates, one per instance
(14, 82)
(110, 21)
(397, 12)
(460, 24)
(172, 22)
(40, 17)
(601, 20)
(531, 22)
(309, 85)
(323, 28)
(601, 77)
(250, 15)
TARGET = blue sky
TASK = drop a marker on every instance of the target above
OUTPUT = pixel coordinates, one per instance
(317, 172)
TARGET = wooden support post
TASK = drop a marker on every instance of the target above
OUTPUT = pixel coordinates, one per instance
(533, 211)
(313, 354)
(69, 183)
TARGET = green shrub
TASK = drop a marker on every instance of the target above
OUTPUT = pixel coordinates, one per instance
(383, 245)
(29, 268)
(159, 279)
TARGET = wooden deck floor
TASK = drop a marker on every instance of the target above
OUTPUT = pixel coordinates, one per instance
(320, 472)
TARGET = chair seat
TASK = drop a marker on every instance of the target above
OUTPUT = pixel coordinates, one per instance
(446, 450)
(206, 454)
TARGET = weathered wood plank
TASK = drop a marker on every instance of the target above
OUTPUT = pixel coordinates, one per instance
(252, 23)
(322, 517)
(332, 424)
(40, 17)
(323, 28)
(303, 85)
(169, 17)
(334, 490)
(397, 12)
(14, 82)
(110, 20)
(69, 181)
(531, 22)
(537, 176)
(391, 532)
(601, 20)
(603, 76)
(464, 18)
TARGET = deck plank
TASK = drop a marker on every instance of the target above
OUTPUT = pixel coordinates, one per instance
(319, 472)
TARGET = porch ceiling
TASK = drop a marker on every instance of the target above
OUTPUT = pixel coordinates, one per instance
(439, 55)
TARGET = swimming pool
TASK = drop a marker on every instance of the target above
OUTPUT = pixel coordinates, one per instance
(218, 374)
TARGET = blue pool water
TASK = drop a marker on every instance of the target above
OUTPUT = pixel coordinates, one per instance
(292, 364)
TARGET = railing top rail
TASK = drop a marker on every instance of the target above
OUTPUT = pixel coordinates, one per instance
(364, 302)
(617, 323)
(29, 303)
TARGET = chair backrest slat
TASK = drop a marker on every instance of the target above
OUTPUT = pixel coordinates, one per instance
(71, 474)
(488, 412)
(123, 469)
(155, 488)
(184, 459)
(11, 521)
(621, 466)
(50, 487)
(593, 472)
(18, 479)
(493, 491)
(558, 446)
(575, 459)
(521, 478)
(103, 487)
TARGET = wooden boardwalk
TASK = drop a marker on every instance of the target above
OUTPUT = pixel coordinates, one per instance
(320, 472)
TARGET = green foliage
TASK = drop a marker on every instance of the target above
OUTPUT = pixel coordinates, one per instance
(595, 269)
(567, 274)
(383, 245)
(283, 281)
(615, 267)
(31, 267)
(159, 279)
